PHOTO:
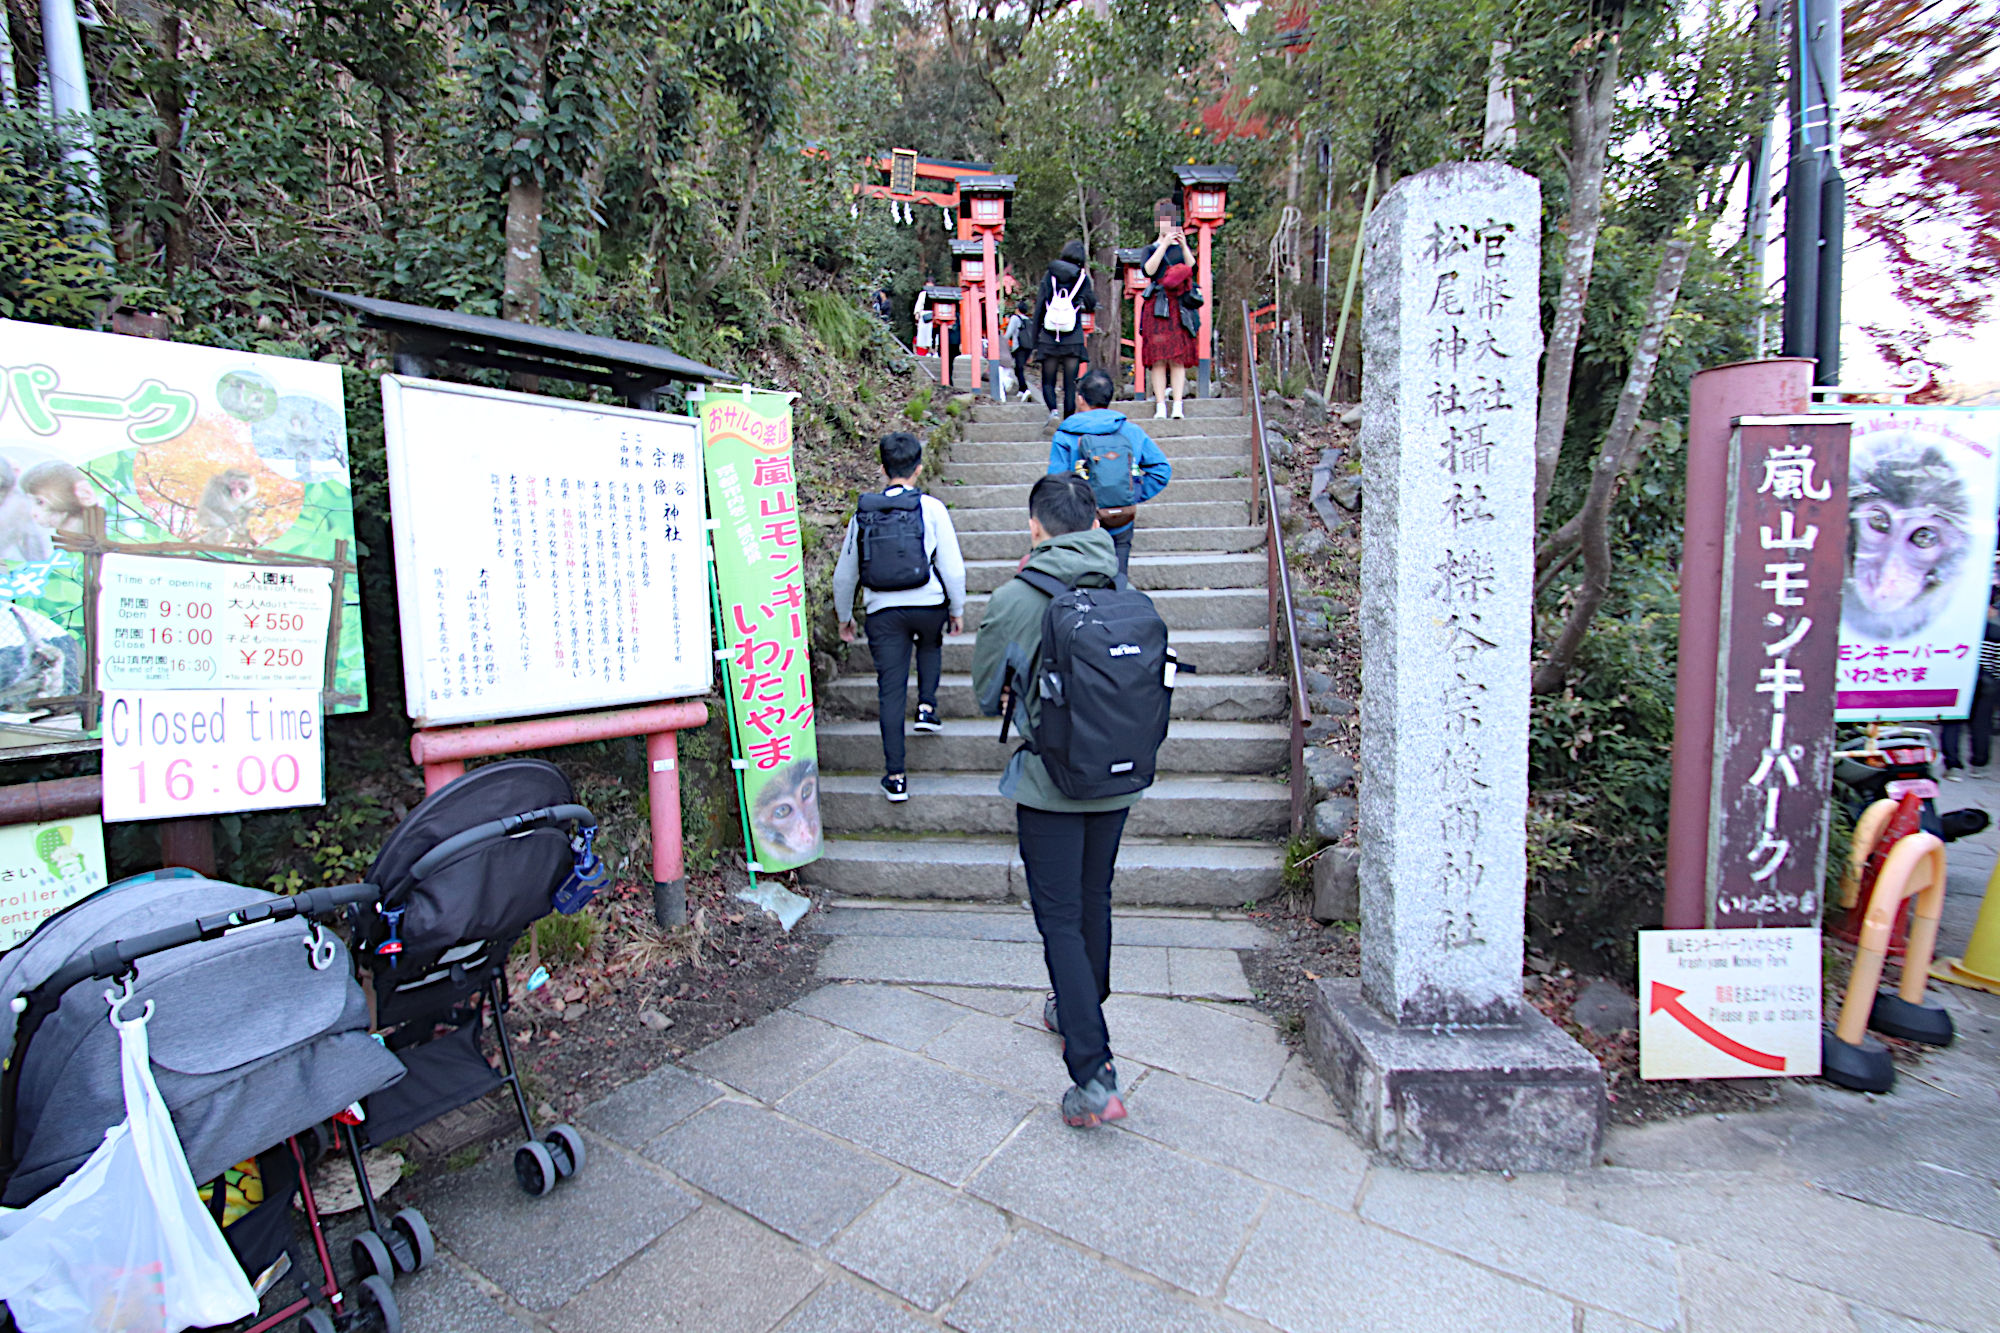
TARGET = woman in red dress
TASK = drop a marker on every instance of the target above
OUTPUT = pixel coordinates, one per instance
(1169, 345)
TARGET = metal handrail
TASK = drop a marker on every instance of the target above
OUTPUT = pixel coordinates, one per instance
(1278, 573)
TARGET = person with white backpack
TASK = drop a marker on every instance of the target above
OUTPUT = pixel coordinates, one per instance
(1060, 304)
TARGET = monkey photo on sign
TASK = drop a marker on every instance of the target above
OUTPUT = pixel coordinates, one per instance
(223, 517)
(60, 496)
(784, 815)
(1908, 536)
(39, 659)
(21, 537)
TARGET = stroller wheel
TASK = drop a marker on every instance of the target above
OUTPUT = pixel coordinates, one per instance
(566, 1146)
(316, 1320)
(369, 1254)
(415, 1233)
(315, 1144)
(380, 1303)
(535, 1168)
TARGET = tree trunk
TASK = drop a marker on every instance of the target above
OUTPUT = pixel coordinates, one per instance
(745, 204)
(387, 108)
(1621, 444)
(169, 98)
(1590, 111)
(521, 283)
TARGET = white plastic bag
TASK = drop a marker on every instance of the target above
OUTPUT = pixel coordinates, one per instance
(124, 1244)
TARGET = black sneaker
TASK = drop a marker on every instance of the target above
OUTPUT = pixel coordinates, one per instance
(927, 719)
(896, 787)
(1088, 1105)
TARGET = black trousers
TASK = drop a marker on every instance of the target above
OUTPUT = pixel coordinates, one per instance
(1070, 858)
(1065, 366)
(893, 633)
(1985, 694)
(1021, 369)
(1121, 542)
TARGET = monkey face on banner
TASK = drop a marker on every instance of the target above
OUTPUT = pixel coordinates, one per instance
(1923, 486)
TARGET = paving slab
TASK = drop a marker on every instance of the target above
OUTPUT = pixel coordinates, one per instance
(921, 1241)
(1134, 927)
(784, 1175)
(716, 1272)
(648, 1107)
(1002, 963)
(1875, 1321)
(1201, 1041)
(443, 1297)
(1038, 1284)
(1603, 1321)
(1161, 1211)
(1020, 1053)
(1206, 974)
(842, 1307)
(987, 999)
(910, 1110)
(1940, 1273)
(1311, 1269)
(544, 1251)
(1924, 1189)
(774, 1055)
(1724, 1296)
(894, 1014)
(1584, 1258)
(1259, 1140)
(1300, 1089)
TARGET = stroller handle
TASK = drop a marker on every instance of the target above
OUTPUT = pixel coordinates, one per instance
(504, 827)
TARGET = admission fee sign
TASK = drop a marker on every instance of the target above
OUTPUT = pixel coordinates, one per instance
(760, 582)
(548, 553)
(1729, 1003)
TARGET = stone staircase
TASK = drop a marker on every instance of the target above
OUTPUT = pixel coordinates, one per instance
(1210, 832)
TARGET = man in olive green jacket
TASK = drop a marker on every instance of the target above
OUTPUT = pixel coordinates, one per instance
(1069, 847)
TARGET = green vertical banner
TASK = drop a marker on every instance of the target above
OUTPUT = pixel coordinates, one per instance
(760, 584)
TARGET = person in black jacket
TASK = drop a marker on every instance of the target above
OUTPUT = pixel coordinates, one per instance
(1061, 350)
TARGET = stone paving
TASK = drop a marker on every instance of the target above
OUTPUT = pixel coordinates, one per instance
(885, 1155)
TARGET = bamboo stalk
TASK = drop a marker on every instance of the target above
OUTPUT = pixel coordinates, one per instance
(1353, 277)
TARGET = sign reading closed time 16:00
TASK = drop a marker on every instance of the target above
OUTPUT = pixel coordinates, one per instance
(189, 624)
(174, 753)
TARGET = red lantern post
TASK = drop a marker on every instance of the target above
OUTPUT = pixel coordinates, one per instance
(1135, 287)
(1205, 200)
(987, 202)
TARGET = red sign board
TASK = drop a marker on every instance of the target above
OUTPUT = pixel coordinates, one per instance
(1784, 557)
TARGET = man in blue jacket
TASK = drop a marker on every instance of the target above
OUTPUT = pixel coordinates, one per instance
(1122, 464)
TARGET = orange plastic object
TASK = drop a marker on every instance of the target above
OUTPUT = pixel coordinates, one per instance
(1904, 819)
(1914, 870)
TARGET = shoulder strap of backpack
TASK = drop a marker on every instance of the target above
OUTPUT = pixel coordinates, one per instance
(1043, 582)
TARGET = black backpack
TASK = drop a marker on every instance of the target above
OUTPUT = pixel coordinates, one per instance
(1105, 678)
(890, 533)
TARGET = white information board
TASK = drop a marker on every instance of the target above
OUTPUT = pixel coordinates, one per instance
(549, 554)
(1729, 1003)
(44, 868)
(169, 754)
(190, 624)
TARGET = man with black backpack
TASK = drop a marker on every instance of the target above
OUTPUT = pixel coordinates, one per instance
(1122, 464)
(903, 553)
(1084, 668)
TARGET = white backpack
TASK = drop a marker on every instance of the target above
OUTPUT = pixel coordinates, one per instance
(1060, 317)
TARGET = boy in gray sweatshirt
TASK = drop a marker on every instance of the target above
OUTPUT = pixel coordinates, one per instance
(902, 613)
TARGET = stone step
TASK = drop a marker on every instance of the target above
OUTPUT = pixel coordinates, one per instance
(1031, 452)
(1015, 432)
(1182, 872)
(1033, 412)
(1015, 495)
(1009, 545)
(1169, 511)
(1206, 806)
(1215, 652)
(1215, 698)
(1138, 928)
(972, 745)
(1183, 608)
(1198, 467)
(1149, 573)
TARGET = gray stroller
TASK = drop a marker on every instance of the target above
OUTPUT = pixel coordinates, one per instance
(260, 1035)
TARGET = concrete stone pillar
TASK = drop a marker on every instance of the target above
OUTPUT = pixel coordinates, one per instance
(1440, 1061)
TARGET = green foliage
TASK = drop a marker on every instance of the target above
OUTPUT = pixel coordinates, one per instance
(564, 939)
(842, 327)
(337, 848)
(919, 404)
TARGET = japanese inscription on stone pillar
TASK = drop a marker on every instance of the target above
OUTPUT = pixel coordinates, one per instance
(1451, 338)
(1784, 556)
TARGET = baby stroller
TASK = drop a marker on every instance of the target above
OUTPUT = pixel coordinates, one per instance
(474, 865)
(260, 1035)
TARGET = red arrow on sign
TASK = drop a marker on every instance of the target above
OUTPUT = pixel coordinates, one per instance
(1667, 998)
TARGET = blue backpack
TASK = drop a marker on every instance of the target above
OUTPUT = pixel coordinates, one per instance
(1110, 465)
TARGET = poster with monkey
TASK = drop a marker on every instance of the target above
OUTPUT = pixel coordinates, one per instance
(760, 587)
(113, 446)
(1923, 489)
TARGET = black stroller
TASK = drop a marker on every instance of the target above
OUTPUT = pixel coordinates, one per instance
(471, 868)
(294, 1050)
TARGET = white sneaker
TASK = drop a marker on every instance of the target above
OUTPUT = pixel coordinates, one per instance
(1160, 412)
(1179, 415)
(1026, 394)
